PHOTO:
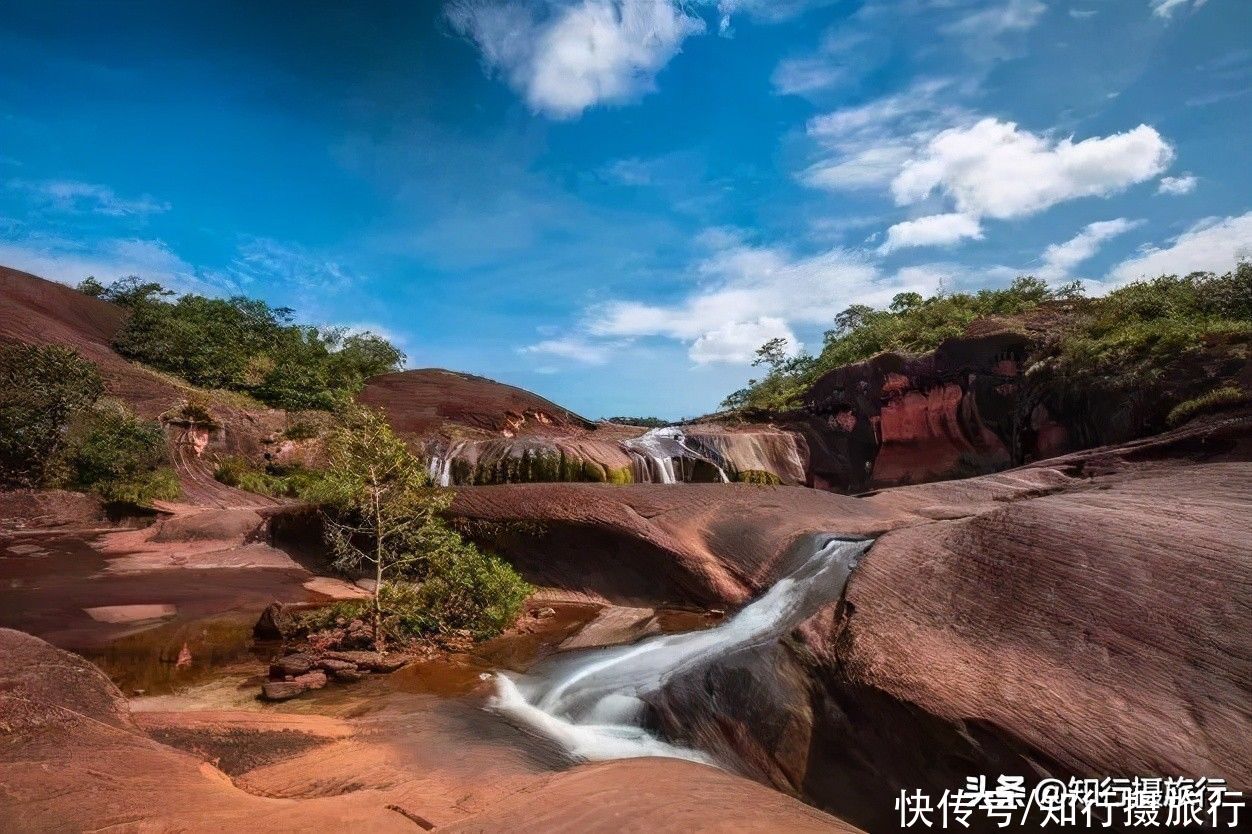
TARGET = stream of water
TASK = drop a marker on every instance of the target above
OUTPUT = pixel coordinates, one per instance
(593, 704)
(656, 451)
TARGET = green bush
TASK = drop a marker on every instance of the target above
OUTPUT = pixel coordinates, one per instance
(274, 481)
(243, 344)
(42, 389)
(911, 324)
(466, 589)
(120, 457)
(301, 430)
(1131, 338)
(1212, 401)
(646, 422)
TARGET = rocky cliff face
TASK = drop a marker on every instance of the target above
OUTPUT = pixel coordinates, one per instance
(982, 403)
(476, 431)
(951, 413)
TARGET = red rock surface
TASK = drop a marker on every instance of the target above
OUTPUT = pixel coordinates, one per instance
(651, 544)
(425, 401)
(72, 758)
(645, 795)
(44, 312)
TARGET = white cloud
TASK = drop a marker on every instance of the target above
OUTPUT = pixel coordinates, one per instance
(566, 57)
(1060, 258)
(797, 76)
(871, 142)
(994, 169)
(751, 292)
(832, 64)
(736, 342)
(936, 230)
(573, 348)
(270, 260)
(69, 262)
(1184, 184)
(1213, 245)
(75, 196)
(632, 171)
(998, 19)
(1082, 14)
(1166, 8)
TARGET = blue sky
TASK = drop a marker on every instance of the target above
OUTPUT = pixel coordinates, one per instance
(612, 202)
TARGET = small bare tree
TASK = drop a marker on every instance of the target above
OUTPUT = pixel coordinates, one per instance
(377, 503)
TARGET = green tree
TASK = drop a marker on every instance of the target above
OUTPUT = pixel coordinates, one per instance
(119, 456)
(772, 354)
(90, 286)
(42, 388)
(243, 344)
(381, 514)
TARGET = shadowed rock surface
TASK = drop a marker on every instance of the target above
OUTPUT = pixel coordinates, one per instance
(1084, 616)
(981, 403)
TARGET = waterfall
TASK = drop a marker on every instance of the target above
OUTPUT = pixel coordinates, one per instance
(440, 467)
(592, 703)
(654, 455)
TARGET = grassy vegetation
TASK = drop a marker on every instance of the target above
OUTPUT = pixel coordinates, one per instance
(911, 324)
(273, 480)
(1214, 400)
(244, 345)
(1133, 340)
(56, 431)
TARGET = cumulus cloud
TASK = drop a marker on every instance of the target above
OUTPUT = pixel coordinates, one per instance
(574, 348)
(994, 169)
(1060, 258)
(1166, 8)
(869, 143)
(1212, 245)
(74, 196)
(1184, 184)
(750, 294)
(736, 342)
(936, 230)
(566, 57)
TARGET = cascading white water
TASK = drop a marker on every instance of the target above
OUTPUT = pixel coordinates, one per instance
(591, 703)
(440, 467)
(656, 451)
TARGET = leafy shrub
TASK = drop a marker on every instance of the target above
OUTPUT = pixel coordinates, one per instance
(1212, 401)
(244, 344)
(120, 457)
(274, 481)
(42, 388)
(646, 422)
(911, 324)
(301, 430)
(466, 589)
(335, 615)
